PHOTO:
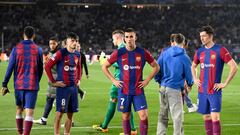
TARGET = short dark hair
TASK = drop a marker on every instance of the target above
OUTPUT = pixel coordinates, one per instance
(178, 38)
(72, 35)
(130, 30)
(186, 43)
(29, 32)
(208, 29)
(54, 38)
(118, 31)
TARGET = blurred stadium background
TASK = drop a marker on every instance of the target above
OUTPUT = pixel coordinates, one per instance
(93, 21)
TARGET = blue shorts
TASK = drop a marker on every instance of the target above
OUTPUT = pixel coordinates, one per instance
(209, 103)
(67, 99)
(125, 102)
(26, 98)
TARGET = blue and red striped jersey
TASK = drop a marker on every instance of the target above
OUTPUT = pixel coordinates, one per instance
(26, 60)
(131, 64)
(68, 67)
(211, 66)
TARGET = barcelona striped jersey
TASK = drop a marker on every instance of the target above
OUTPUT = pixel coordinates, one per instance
(68, 67)
(131, 64)
(26, 60)
(211, 62)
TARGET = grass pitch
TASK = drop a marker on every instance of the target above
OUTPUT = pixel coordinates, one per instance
(93, 108)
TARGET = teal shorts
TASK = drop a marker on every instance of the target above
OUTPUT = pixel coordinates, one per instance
(113, 91)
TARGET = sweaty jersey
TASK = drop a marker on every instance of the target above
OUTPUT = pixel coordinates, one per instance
(131, 64)
(68, 67)
(26, 60)
(211, 62)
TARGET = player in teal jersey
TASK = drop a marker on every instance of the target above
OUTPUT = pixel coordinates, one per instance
(118, 40)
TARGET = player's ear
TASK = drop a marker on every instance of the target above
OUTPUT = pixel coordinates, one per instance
(33, 36)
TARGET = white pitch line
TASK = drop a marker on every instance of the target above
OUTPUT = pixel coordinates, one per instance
(87, 127)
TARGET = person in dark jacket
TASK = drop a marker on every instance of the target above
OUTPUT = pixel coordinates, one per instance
(83, 64)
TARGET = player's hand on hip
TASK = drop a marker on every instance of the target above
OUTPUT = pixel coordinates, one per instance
(218, 86)
(143, 83)
(4, 91)
(188, 88)
(197, 82)
(118, 83)
(59, 84)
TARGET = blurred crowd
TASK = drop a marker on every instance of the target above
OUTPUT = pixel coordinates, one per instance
(94, 24)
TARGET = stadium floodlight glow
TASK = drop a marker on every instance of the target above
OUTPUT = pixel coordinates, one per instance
(86, 6)
(140, 6)
(124, 6)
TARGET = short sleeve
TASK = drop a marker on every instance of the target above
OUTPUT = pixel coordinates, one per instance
(149, 58)
(113, 57)
(195, 58)
(225, 55)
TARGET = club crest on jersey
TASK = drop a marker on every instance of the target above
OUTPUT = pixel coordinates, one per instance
(138, 58)
(76, 61)
(121, 107)
(213, 56)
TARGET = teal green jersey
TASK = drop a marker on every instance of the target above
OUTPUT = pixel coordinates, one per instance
(115, 65)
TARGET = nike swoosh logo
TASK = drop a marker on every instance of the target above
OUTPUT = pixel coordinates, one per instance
(214, 109)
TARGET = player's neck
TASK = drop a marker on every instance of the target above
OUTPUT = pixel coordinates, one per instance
(209, 45)
(70, 50)
(131, 48)
(27, 39)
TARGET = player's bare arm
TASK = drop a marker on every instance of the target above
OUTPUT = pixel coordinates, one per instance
(155, 70)
(106, 71)
(233, 70)
(194, 74)
(59, 84)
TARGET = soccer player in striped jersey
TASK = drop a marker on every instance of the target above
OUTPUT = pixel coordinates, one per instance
(68, 78)
(211, 58)
(118, 40)
(26, 60)
(131, 61)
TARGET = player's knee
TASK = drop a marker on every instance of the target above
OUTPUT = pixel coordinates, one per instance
(215, 116)
(143, 115)
(207, 117)
(114, 100)
(29, 112)
(126, 116)
(58, 115)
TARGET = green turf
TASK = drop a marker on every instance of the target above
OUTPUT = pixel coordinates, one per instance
(93, 108)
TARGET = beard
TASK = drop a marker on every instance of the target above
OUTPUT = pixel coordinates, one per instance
(73, 47)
